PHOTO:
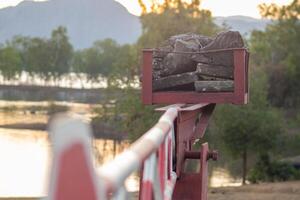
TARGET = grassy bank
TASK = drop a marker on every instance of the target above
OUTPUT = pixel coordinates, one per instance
(266, 191)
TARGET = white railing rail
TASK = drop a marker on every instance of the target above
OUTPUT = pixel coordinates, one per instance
(73, 176)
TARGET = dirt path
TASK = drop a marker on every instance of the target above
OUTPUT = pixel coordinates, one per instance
(266, 191)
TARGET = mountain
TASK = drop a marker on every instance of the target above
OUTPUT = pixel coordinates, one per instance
(86, 21)
(243, 24)
(89, 20)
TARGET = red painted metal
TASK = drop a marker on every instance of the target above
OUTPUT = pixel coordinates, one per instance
(191, 124)
(147, 188)
(192, 155)
(203, 121)
(204, 171)
(238, 96)
(73, 176)
(240, 69)
(74, 179)
(193, 186)
(161, 165)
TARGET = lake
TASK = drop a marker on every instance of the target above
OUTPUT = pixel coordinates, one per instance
(26, 156)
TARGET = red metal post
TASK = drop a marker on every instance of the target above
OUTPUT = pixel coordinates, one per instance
(74, 182)
(240, 76)
(162, 165)
(204, 171)
(191, 124)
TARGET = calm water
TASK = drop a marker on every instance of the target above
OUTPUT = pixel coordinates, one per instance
(26, 157)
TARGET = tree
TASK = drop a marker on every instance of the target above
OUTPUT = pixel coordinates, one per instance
(39, 58)
(98, 60)
(250, 129)
(10, 63)
(47, 58)
(173, 17)
(79, 65)
(21, 45)
(61, 52)
(125, 67)
(278, 50)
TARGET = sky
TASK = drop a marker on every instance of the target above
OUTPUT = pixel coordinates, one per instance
(217, 7)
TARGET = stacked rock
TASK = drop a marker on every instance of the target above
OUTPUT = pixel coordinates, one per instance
(192, 62)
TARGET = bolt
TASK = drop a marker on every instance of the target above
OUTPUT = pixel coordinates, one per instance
(212, 155)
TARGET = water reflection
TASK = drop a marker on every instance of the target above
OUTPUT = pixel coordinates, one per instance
(24, 164)
(26, 158)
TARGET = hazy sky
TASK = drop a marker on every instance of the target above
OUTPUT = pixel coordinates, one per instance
(218, 7)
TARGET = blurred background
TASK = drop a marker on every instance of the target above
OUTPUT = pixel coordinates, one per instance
(84, 57)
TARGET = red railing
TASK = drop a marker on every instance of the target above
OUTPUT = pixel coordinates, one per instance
(73, 176)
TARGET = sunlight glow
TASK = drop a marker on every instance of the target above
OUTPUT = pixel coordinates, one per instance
(217, 7)
(6, 3)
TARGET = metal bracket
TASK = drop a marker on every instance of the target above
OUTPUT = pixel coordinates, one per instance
(190, 125)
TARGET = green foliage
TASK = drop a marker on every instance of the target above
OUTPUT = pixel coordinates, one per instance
(108, 59)
(266, 170)
(128, 114)
(106, 52)
(61, 52)
(273, 11)
(136, 117)
(125, 68)
(173, 17)
(289, 144)
(9, 63)
(278, 50)
(253, 127)
(48, 58)
(38, 57)
(250, 129)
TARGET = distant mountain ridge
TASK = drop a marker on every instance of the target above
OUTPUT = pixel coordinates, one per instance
(89, 20)
(86, 20)
(243, 24)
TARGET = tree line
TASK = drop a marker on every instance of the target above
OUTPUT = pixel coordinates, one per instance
(54, 57)
(251, 137)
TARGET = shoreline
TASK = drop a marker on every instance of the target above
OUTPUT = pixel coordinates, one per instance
(99, 131)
